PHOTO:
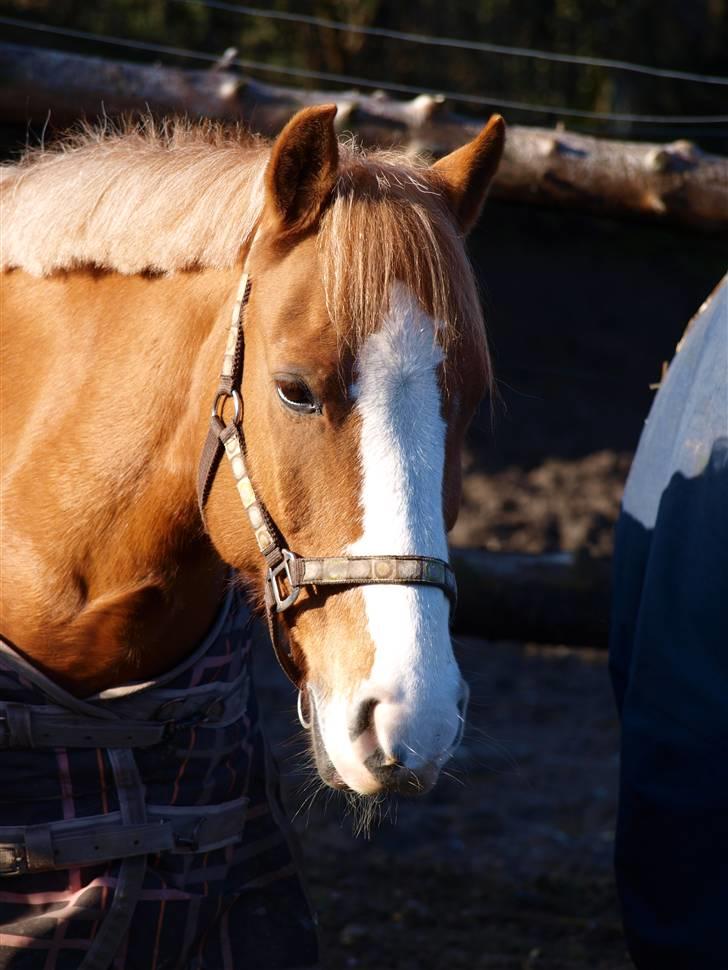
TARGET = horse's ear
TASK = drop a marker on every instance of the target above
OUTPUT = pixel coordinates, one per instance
(466, 173)
(302, 169)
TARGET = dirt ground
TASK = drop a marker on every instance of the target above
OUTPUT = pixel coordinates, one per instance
(507, 864)
(559, 504)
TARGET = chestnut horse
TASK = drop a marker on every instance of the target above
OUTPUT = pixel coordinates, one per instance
(364, 360)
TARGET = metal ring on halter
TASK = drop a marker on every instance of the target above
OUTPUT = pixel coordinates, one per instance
(462, 711)
(223, 396)
(299, 707)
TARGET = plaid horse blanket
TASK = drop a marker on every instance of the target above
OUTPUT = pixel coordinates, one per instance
(140, 829)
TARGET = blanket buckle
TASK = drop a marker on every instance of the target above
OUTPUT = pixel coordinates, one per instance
(13, 860)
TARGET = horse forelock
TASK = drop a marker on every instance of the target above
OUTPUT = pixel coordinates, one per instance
(387, 224)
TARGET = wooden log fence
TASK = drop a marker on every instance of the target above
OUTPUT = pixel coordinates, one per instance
(675, 183)
(557, 598)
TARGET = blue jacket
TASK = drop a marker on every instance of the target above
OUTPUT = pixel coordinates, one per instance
(669, 663)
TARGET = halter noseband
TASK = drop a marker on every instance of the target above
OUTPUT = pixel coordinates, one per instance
(288, 573)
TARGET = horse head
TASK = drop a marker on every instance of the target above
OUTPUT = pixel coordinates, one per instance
(364, 361)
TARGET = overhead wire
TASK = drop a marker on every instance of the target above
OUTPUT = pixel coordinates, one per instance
(459, 43)
(336, 78)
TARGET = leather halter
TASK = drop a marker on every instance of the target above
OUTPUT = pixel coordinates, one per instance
(288, 573)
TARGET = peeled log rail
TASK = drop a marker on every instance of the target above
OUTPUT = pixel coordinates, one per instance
(559, 598)
(676, 183)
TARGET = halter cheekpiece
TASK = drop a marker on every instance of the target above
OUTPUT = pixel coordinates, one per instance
(287, 573)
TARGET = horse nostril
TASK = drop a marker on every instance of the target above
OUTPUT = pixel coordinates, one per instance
(363, 719)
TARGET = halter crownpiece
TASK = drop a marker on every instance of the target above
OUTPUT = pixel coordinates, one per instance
(287, 572)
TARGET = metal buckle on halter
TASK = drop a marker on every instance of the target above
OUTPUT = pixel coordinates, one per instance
(13, 861)
(283, 601)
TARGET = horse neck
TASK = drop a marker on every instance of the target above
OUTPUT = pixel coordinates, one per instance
(126, 582)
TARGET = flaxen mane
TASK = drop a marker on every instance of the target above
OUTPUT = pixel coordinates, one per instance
(146, 198)
(182, 196)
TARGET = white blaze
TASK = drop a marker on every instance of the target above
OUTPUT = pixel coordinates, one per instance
(414, 677)
(402, 459)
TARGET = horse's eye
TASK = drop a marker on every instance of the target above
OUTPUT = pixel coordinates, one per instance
(297, 395)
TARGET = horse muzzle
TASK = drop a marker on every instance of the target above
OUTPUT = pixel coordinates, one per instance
(368, 750)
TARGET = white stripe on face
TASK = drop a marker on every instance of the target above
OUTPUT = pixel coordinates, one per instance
(414, 674)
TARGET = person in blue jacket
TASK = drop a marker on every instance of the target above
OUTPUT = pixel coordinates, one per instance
(669, 663)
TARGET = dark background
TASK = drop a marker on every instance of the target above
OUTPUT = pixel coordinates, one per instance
(582, 314)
